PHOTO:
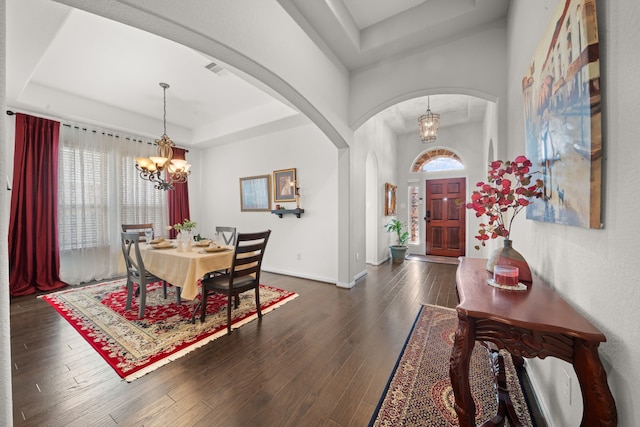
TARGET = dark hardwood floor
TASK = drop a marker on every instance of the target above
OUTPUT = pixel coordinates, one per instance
(320, 360)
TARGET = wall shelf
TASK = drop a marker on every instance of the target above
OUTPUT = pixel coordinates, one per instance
(297, 212)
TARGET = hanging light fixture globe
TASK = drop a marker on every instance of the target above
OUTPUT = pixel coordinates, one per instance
(428, 124)
(163, 170)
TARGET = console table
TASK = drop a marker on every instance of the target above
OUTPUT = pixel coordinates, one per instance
(532, 323)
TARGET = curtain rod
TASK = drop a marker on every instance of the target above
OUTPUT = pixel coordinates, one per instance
(11, 113)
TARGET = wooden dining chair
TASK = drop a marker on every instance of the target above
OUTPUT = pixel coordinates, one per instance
(140, 228)
(243, 275)
(137, 274)
(228, 235)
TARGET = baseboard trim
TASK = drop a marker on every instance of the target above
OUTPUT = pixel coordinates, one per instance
(542, 405)
(302, 276)
(360, 275)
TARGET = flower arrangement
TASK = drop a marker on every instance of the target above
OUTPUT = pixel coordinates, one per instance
(187, 225)
(509, 188)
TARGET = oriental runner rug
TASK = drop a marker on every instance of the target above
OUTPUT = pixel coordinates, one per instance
(419, 391)
(134, 347)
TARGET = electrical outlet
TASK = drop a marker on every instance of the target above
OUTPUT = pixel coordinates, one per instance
(566, 386)
(298, 256)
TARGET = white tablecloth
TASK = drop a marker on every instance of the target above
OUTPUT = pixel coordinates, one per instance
(183, 269)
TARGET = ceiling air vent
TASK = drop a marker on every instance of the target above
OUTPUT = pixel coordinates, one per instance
(215, 68)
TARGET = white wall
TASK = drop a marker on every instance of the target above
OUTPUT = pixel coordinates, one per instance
(595, 270)
(372, 209)
(375, 139)
(314, 235)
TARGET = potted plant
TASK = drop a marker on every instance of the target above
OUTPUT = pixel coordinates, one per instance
(398, 251)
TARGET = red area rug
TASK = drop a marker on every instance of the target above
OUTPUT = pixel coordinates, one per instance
(135, 347)
(419, 392)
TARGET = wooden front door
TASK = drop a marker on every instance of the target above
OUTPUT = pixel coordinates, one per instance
(445, 219)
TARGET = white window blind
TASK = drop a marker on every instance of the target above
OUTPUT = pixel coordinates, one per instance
(140, 202)
(98, 190)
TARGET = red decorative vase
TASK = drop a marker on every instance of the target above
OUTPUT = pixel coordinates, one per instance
(509, 256)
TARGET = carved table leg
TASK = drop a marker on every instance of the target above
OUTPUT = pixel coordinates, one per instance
(459, 370)
(599, 406)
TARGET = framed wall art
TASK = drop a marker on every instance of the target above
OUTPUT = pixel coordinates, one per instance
(284, 185)
(389, 199)
(255, 193)
(563, 109)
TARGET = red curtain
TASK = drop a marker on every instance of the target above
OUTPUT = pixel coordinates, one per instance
(34, 258)
(179, 198)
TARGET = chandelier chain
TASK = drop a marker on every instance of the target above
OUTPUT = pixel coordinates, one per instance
(164, 116)
(163, 171)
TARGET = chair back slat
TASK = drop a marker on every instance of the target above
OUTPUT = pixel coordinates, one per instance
(136, 271)
(228, 235)
(139, 228)
(131, 252)
(248, 255)
(242, 276)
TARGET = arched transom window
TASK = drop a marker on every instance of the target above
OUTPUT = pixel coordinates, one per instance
(439, 159)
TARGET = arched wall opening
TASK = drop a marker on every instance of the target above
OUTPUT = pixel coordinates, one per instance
(465, 140)
(433, 155)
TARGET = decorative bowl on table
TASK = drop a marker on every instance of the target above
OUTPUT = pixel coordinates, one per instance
(203, 243)
(157, 240)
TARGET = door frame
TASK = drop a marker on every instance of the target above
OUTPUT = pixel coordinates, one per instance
(465, 219)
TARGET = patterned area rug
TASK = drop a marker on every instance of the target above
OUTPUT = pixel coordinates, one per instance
(136, 347)
(419, 391)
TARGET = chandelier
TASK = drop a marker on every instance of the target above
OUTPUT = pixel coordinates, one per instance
(429, 124)
(163, 170)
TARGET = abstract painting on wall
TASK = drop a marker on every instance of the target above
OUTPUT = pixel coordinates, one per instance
(562, 107)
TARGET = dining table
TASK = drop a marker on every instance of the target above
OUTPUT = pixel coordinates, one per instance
(184, 268)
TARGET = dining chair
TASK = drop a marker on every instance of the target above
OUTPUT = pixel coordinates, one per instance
(228, 235)
(242, 276)
(140, 228)
(137, 274)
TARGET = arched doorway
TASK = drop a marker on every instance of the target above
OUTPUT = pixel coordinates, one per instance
(445, 233)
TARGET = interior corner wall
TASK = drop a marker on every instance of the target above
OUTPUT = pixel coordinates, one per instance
(372, 203)
(372, 137)
(595, 270)
(494, 149)
(313, 236)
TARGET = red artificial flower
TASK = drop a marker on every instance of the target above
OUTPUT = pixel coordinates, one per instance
(501, 194)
